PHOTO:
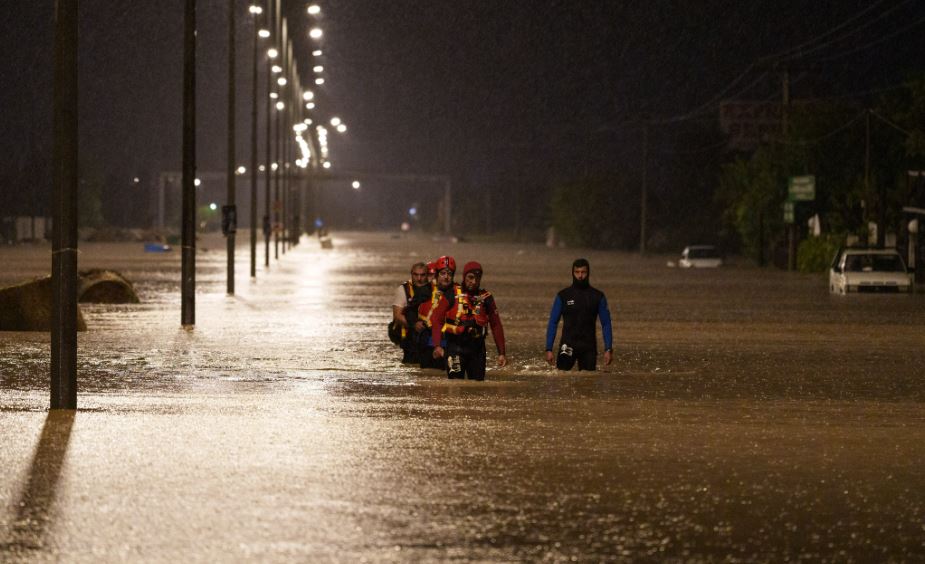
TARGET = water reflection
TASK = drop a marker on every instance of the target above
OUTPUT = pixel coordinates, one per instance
(35, 504)
(748, 416)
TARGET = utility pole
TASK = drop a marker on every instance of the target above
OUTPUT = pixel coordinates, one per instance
(188, 243)
(64, 240)
(867, 180)
(881, 194)
(230, 213)
(267, 221)
(644, 195)
(792, 229)
(284, 117)
(253, 218)
(277, 205)
(277, 117)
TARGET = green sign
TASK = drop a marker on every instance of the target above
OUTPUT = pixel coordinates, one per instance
(802, 188)
(788, 212)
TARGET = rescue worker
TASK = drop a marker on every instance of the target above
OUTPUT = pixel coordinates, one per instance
(579, 306)
(465, 321)
(445, 270)
(405, 323)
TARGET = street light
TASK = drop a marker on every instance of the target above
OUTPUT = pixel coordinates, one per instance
(308, 95)
(327, 164)
(281, 81)
(342, 128)
(335, 121)
(356, 184)
(280, 105)
(263, 33)
(272, 53)
(310, 106)
(319, 81)
(256, 10)
(315, 33)
(318, 68)
(276, 69)
(316, 53)
(314, 10)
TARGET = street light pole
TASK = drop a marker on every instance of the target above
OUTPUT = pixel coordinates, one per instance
(230, 168)
(644, 196)
(267, 227)
(253, 218)
(188, 243)
(64, 240)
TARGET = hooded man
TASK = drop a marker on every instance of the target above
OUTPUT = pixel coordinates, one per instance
(579, 306)
(464, 322)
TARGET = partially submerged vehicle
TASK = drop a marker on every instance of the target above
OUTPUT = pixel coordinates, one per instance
(700, 256)
(868, 270)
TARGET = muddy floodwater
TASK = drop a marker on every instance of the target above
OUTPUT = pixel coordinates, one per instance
(747, 416)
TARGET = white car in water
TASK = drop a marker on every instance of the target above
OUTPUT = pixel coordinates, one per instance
(700, 256)
(868, 270)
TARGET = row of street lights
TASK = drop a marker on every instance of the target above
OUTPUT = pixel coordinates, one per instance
(293, 105)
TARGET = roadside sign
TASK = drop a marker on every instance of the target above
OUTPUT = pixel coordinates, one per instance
(802, 188)
(788, 212)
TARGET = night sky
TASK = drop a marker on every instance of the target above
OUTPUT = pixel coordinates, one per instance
(489, 92)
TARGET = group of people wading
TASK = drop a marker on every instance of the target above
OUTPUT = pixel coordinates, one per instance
(442, 324)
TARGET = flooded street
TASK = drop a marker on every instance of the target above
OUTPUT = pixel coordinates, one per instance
(747, 416)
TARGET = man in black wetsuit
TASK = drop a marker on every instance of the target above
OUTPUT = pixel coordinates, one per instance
(580, 306)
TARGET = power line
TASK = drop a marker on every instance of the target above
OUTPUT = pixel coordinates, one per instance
(783, 55)
(703, 149)
(798, 51)
(890, 123)
(837, 130)
(875, 42)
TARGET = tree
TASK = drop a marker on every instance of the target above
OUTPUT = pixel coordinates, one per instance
(596, 212)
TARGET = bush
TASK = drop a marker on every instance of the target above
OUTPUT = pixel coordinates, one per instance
(815, 254)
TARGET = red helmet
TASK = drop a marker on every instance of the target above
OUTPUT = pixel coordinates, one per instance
(445, 262)
(472, 266)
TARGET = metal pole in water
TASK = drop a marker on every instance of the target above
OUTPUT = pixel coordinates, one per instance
(253, 218)
(64, 243)
(188, 276)
(231, 218)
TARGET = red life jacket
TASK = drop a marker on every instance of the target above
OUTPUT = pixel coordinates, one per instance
(468, 315)
(426, 309)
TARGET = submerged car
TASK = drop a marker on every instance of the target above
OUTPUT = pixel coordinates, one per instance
(868, 270)
(700, 256)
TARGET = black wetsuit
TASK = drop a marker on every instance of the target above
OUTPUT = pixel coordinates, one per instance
(579, 307)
